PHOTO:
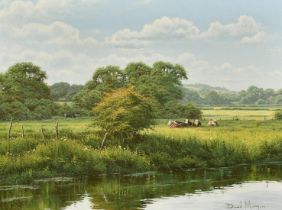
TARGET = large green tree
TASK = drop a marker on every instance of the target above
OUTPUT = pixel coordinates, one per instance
(162, 80)
(23, 81)
(105, 79)
(24, 93)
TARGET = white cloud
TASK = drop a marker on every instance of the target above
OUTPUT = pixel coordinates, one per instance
(223, 74)
(145, 1)
(246, 29)
(46, 6)
(34, 31)
(58, 33)
(17, 11)
(24, 11)
(245, 26)
(162, 28)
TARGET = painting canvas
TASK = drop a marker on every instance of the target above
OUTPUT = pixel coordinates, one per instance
(140, 104)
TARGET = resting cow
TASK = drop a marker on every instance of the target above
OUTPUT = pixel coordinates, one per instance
(186, 123)
(213, 123)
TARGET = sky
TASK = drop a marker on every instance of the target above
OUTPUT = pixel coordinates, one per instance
(231, 44)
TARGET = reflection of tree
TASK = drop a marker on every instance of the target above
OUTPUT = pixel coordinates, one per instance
(49, 195)
(132, 192)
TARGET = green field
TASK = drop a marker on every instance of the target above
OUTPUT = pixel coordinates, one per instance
(31, 127)
(253, 127)
(255, 137)
(241, 114)
(248, 118)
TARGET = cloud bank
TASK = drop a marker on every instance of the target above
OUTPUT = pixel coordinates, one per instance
(43, 32)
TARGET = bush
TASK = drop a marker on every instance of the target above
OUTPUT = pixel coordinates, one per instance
(278, 115)
(192, 112)
(16, 110)
(123, 112)
(174, 109)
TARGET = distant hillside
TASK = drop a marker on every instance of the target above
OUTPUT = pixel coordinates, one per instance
(203, 89)
(202, 94)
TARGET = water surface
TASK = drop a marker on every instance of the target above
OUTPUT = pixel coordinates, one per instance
(242, 187)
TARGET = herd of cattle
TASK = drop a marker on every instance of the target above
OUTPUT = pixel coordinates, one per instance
(190, 123)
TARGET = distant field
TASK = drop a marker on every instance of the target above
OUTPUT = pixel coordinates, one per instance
(64, 102)
(252, 125)
(241, 114)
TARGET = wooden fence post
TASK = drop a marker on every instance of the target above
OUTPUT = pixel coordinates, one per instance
(10, 129)
(103, 141)
(57, 130)
(42, 133)
(23, 134)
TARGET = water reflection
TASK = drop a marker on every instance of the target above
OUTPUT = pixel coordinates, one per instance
(226, 188)
(250, 195)
(84, 204)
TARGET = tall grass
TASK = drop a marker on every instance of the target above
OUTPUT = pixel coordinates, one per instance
(77, 152)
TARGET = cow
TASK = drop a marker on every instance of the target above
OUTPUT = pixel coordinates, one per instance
(186, 123)
(197, 123)
(213, 123)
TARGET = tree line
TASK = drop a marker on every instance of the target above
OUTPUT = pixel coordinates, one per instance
(24, 93)
(201, 95)
(210, 96)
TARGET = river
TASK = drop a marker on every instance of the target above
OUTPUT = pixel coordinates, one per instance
(242, 187)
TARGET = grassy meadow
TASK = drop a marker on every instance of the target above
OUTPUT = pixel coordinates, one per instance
(241, 114)
(253, 137)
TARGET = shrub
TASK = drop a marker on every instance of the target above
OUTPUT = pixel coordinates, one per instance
(173, 109)
(192, 112)
(124, 112)
(278, 115)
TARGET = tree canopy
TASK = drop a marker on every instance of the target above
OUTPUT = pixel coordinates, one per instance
(24, 93)
(25, 80)
(63, 91)
(161, 81)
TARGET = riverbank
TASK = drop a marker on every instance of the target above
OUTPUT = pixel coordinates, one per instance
(78, 154)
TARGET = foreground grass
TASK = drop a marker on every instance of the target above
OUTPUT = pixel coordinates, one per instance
(77, 151)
